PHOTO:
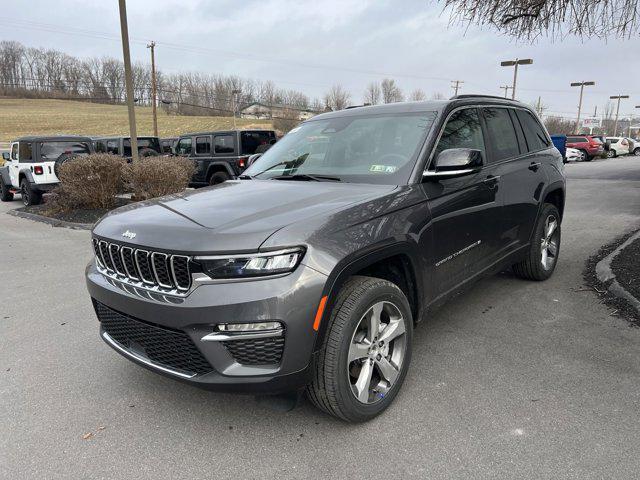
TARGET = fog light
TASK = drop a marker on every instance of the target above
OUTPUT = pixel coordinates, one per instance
(249, 327)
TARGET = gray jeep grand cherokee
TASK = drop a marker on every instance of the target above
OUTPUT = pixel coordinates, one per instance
(312, 268)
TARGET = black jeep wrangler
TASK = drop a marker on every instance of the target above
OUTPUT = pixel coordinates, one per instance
(147, 146)
(222, 155)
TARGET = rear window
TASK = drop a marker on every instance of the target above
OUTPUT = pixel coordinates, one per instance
(251, 141)
(533, 131)
(52, 150)
(203, 145)
(576, 139)
(614, 140)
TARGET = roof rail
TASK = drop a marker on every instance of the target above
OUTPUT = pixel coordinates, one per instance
(459, 97)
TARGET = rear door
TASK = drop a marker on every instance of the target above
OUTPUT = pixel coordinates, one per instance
(465, 211)
(521, 169)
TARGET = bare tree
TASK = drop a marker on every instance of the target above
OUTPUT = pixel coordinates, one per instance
(418, 95)
(337, 98)
(438, 96)
(559, 125)
(391, 93)
(529, 19)
(372, 94)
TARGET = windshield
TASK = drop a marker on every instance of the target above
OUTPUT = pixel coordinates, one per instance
(378, 149)
(52, 150)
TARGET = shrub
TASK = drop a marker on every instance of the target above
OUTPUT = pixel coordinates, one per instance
(152, 177)
(90, 182)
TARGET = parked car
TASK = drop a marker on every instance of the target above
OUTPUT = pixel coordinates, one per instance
(312, 268)
(589, 145)
(636, 147)
(147, 146)
(221, 155)
(604, 140)
(167, 145)
(31, 166)
(619, 146)
(574, 155)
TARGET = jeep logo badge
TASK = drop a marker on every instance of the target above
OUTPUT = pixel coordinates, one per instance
(129, 235)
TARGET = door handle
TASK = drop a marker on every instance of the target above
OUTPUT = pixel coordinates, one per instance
(533, 166)
(492, 181)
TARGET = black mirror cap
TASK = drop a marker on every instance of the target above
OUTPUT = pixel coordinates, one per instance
(459, 159)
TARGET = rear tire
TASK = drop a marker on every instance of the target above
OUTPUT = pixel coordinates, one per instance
(5, 193)
(542, 256)
(29, 196)
(611, 153)
(218, 177)
(585, 156)
(348, 356)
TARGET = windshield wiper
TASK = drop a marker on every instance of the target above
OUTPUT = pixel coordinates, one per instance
(245, 177)
(306, 177)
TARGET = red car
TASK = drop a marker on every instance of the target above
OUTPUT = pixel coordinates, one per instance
(588, 145)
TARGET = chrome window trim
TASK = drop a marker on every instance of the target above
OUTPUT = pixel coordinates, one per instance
(155, 272)
(142, 359)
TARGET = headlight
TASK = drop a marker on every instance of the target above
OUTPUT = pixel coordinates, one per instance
(252, 264)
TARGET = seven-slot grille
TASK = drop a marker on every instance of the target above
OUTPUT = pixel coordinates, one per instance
(137, 265)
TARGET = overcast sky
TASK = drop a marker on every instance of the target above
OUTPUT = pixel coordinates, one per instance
(310, 45)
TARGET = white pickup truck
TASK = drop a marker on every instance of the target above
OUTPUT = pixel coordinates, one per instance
(31, 165)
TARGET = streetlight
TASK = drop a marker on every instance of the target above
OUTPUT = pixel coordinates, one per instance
(617, 97)
(581, 85)
(515, 63)
(233, 103)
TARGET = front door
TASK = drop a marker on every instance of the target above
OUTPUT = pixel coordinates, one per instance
(14, 166)
(465, 211)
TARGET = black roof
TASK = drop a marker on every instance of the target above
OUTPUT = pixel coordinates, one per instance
(53, 138)
(426, 106)
(114, 137)
(217, 132)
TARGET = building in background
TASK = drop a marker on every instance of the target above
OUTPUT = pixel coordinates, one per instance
(259, 110)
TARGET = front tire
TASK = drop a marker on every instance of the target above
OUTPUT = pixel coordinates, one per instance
(636, 152)
(542, 256)
(29, 196)
(366, 350)
(5, 193)
(611, 153)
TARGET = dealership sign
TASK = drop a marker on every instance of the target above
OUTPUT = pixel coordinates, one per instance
(591, 122)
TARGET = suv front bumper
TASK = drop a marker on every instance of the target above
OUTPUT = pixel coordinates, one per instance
(167, 336)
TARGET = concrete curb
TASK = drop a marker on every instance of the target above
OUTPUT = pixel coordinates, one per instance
(50, 221)
(605, 274)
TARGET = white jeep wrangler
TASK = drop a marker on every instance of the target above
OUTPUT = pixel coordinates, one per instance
(31, 167)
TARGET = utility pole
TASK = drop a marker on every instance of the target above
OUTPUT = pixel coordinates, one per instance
(617, 97)
(581, 85)
(233, 103)
(456, 85)
(124, 30)
(515, 63)
(539, 106)
(154, 92)
(506, 90)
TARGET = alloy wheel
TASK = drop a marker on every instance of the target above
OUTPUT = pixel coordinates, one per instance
(376, 352)
(549, 243)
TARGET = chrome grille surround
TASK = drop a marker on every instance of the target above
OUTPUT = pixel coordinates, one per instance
(137, 267)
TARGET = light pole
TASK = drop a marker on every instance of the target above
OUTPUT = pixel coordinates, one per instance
(515, 63)
(233, 103)
(617, 97)
(581, 85)
(506, 90)
(124, 30)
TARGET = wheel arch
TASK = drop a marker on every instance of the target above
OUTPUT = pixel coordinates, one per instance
(555, 195)
(219, 167)
(397, 263)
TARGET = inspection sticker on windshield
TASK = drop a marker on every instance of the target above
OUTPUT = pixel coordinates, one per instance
(383, 168)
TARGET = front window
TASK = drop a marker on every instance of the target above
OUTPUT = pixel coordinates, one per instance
(183, 147)
(143, 142)
(52, 150)
(378, 149)
(25, 152)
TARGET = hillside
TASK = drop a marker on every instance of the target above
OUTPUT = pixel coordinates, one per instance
(20, 117)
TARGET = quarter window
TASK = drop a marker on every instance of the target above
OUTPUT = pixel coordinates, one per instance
(223, 144)
(533, 131)
(203, 145)
(101, 147)
(463, 130)
(502, 133)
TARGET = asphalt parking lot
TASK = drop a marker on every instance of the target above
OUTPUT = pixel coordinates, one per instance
(513, 380)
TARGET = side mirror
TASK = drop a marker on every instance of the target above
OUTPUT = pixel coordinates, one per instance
(456, 162)
(6, 156)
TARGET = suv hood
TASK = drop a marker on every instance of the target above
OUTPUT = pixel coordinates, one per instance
(235, 216)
